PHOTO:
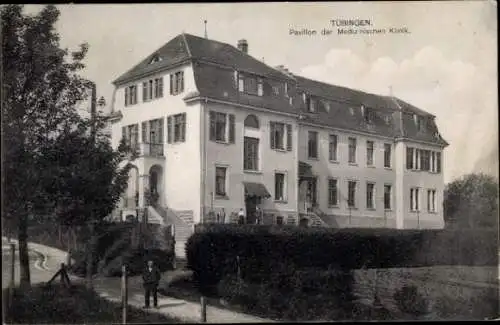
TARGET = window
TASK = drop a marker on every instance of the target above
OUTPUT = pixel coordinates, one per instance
(155, 134)
(158, 88)
(220, 181)
(279, 187)
(351, 194)
(131, 95)
(222, 127)
(177, 83)
(279, 220)
(409, 158)
(147, 90)
(387, 155)
(414, 199)
(251, 121)
(312, 144)
(180, 127)
(251, 85)
(281, 136)
(332, 149)
(251, 154)
(420, 123)
(368, 114)
(433, 161)
(352, 150)
(387, 197)
(425, 160)
(431, 200)
(369, 153)
(332, 192)
(370, 194)
(131, 135)
(176, 128)
(438, 162)
(311, 104)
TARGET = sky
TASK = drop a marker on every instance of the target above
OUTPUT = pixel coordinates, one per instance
(445, 64)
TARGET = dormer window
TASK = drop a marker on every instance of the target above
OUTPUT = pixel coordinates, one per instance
(250, 84)
(155, 58)
(368, 114)
(419, 122)
(311, 104)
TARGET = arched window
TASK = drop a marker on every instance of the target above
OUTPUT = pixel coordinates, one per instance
(252, 122)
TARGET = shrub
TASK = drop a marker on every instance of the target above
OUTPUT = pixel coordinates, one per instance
(136, 259)
(409, 301)
(213, 250)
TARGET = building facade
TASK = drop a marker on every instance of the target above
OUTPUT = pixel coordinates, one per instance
(218, 131)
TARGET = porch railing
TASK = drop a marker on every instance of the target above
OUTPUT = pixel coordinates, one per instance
(152, 149)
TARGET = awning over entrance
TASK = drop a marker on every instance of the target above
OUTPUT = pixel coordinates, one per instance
(305, 170)
(256, 189)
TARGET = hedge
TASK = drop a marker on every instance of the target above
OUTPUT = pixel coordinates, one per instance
(212, 251)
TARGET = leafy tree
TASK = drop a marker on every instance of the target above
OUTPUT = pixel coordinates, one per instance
(88, 177)
(40, 88)
(52, 165)
(471, 202)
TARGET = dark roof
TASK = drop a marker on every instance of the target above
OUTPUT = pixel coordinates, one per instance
(214, 64)
(187, 46)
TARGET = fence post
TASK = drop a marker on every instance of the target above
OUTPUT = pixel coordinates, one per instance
(203, 309)
(238, 265)
(124, 294)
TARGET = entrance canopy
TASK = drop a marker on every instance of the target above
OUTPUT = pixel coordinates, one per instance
(305, 170)
(256, 189)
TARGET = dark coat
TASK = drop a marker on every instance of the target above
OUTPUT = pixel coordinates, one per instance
(151, 279)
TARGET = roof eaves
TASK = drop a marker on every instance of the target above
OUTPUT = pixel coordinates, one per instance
(163, 68)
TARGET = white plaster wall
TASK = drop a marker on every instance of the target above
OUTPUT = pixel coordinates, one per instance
(231, 155)
(344, 172)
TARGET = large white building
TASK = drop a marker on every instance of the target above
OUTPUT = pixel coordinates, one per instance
(217, 129)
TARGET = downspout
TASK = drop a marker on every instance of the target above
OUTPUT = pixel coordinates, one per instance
(203, 160)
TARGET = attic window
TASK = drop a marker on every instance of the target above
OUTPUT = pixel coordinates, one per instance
(327, 106)
(368, 114)
(250, 84)
(311, 103)
(419, 122)
(156, 58)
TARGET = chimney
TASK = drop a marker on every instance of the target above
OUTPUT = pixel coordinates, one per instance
(243, 45)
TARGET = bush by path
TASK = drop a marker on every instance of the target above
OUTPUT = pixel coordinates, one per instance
(77, 305)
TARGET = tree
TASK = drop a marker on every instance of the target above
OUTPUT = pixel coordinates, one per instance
(87, 178)
(471, 202)
(40, 87)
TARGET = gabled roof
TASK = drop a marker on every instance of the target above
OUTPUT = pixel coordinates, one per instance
(190, 47)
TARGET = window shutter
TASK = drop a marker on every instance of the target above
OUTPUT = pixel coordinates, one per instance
(160, 87)
(271, 135)
(143, 131)
(183, 129)
(126, 96)
(169, 129)
(260, 87)
(212, 126)
(161, 121)
(181, 82)
(231, 128)
(171, 84)
(289, 137)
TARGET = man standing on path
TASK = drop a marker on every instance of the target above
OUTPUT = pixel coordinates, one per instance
(151, 277)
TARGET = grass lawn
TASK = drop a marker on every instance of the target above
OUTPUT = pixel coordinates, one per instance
(57, 304)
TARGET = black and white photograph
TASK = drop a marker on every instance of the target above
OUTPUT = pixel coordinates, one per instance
(249, 162)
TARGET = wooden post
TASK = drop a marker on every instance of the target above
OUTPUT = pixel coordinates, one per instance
(124, 294)
(203, 309)
(13, 265)
(238, 265)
